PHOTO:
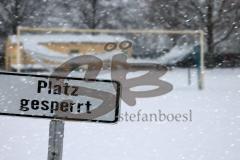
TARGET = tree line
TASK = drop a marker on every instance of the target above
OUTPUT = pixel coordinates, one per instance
(219, 19)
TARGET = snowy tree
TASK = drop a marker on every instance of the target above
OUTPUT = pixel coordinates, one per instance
(55, 13)
(14, 13)
(127, 14)
(89, 12)
(108, 13)
(220, 19)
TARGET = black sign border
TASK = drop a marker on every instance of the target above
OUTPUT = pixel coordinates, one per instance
(118, 93)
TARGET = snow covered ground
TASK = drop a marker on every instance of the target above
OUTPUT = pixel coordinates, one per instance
(213, 134)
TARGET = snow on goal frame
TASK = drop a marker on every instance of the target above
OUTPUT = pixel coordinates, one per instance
(197, 34)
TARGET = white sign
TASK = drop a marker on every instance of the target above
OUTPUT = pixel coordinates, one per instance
(59, 97)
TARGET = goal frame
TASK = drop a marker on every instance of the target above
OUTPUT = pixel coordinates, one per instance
(200, 33)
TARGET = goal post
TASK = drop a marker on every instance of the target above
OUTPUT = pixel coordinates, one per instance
(197, 33)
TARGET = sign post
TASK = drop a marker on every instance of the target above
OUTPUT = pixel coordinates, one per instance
(55, 144)
(59, 99)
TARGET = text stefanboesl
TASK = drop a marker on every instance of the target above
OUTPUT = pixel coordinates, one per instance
(158, 116)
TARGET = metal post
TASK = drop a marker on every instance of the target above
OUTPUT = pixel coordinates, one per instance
(189, 76)
(201, 74)
(18, 56)
(56, 134)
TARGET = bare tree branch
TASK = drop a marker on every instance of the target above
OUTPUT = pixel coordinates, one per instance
(230, 31)
(4, 14)
(199, 11)
(221, 7)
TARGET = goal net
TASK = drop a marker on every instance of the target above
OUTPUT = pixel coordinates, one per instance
(46, 48)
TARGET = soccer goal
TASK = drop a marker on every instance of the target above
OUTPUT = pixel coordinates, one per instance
(47, 48)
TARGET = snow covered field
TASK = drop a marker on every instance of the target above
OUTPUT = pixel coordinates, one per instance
(213, 134)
